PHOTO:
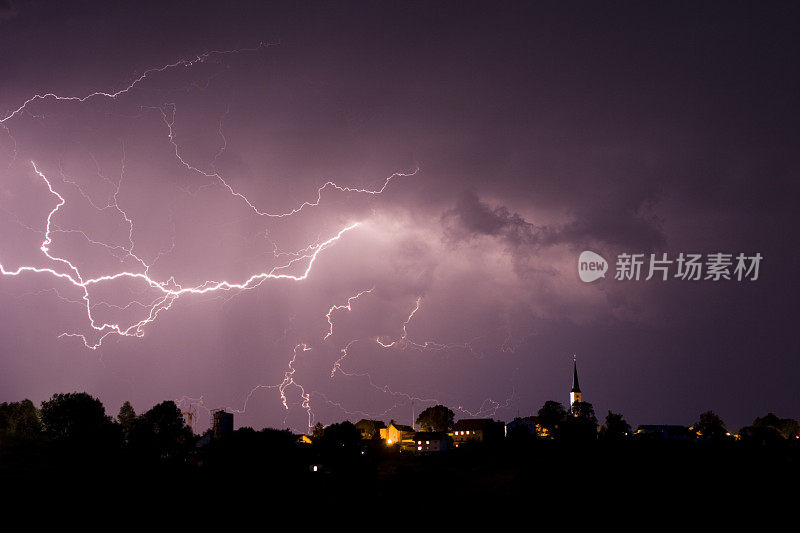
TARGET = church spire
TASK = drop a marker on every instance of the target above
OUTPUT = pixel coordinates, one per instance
(575, 387)
(575, 393)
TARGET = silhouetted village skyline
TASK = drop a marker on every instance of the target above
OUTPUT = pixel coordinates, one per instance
(71, 433)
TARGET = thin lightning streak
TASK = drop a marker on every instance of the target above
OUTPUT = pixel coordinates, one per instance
(276, 253)
(128, 221)
(94, 305)
(169, 121)
(487, 407)
(14, 143)
(113, 95)
(403, 337)
(385, 388)
(19, 222)
(224, 139)
(55, 291)
(492, 408)
(347, 306)
(404, 342)
(371, 415)
(289, 380)
(337, 365)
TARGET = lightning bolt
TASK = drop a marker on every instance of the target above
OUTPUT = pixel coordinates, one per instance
(488, 407)
(293, 267)
(169, 290)
(288, 381)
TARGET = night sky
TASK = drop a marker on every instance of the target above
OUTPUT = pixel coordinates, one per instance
(481, 147)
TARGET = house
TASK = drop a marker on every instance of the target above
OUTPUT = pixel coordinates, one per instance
(525, 426)
(430, 441)
(398, 434)
(477, 430)
(371, 429)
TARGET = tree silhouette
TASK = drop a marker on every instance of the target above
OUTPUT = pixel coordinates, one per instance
(162, 431)
(436, 418)
(615, 427)
(256, 452)
(710, 426)
(787, 427)
(317, 431)
(342, 437)
(19, 419)
(76, 417)
(126, 418)
(551, 415)
(584, 412)
(580, 423)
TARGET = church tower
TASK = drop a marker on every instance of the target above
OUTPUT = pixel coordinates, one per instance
(575, 393)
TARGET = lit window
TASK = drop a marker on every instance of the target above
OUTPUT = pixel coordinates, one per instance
(419, 447)
(315, 468)
(428, 442)
(419, 442)
(467, 432)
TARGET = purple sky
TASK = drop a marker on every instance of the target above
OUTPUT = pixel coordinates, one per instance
(536, 132)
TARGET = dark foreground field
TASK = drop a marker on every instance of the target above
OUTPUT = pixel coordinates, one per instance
(660, 474)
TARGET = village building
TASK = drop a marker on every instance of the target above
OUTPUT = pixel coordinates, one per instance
(398, 434)
(430, 441)
(476, 430)
(371, 429)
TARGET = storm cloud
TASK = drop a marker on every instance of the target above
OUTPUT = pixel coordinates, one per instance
(518, 136)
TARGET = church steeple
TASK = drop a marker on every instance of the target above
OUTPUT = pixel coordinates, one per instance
(575, 392)
(575, 387)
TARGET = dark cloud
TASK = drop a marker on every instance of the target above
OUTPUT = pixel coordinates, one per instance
(636, 231)
(633, 229)
(471, 217)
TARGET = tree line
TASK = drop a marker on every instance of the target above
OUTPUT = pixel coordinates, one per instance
(554, 421)
(78, 420)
